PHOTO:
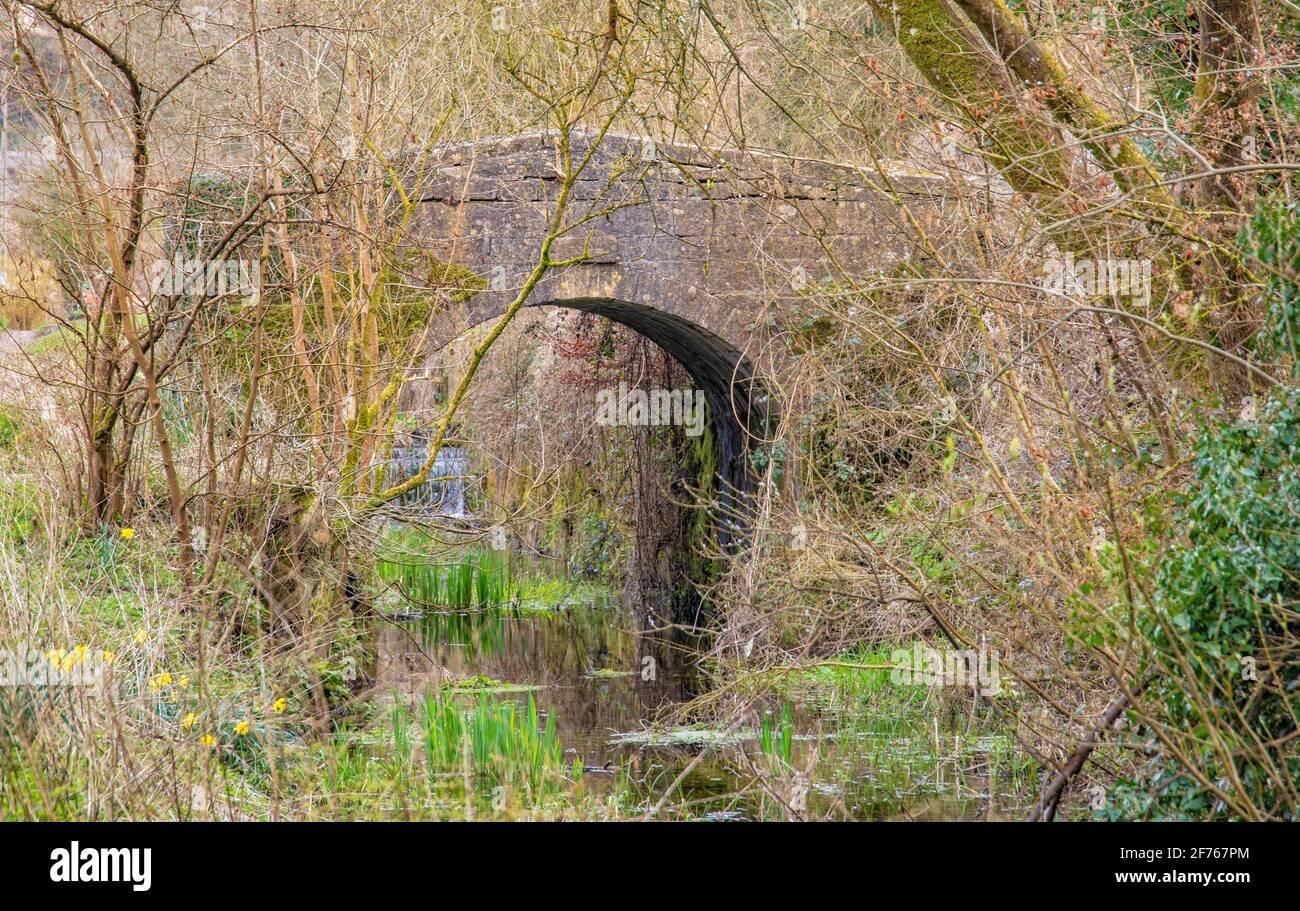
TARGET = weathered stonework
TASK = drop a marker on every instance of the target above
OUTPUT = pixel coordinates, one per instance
(694, 249)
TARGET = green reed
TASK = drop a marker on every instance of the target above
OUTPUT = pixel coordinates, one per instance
(776, 737)
(504, 743)
(472, 580)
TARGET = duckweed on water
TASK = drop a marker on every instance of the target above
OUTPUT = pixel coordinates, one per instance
(679, 737)
(482, 683)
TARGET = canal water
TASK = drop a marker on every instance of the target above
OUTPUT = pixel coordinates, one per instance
(615, 695)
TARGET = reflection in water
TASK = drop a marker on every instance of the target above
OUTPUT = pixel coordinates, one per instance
(590, 667)
(599, 677)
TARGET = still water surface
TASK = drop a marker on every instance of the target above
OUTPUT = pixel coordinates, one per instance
(612, 691)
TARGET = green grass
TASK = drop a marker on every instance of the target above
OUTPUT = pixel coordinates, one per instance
(893, 747)
(20, 514)
(57, 341)
(544, 594)
(11, 426)
(839, 682)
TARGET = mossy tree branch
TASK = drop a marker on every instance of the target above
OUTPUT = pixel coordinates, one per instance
(1040, 70)
(1020, 139)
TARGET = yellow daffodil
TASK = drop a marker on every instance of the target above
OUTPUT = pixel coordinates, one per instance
(280, 704)
(163, 679)
(189, 721)
(128, 534)
(208, 740)
(108, 656)
(68, 661)
(81, 654)
(56, 656)
(242, 728)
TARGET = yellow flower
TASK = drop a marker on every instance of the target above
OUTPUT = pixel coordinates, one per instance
(67, 661)
(280, 704)
(108, 657)
(128, 534)
(163, 679)
(81, 654)
(184, 681)
(140, 635)
(241, 728)
(208, 740)
(189, 720)
(56, 656)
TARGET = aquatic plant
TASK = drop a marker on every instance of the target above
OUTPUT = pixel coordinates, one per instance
(473, 580)
(776, 737)
(500, 744)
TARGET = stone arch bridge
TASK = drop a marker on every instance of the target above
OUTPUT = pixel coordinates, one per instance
(693, 249)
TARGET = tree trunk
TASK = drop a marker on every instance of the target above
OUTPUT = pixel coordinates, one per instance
(1228, 87)
(1019, 138)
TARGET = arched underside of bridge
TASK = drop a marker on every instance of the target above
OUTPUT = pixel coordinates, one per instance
(737, 402)
(699, 251)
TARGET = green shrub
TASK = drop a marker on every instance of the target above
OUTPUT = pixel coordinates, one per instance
(1222, 634)
(1271, 243)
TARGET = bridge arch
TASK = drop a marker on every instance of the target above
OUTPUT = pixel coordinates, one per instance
(736, 402)
(703, 252)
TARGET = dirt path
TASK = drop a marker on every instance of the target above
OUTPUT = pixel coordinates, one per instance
(14, 339)
(17, 380)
